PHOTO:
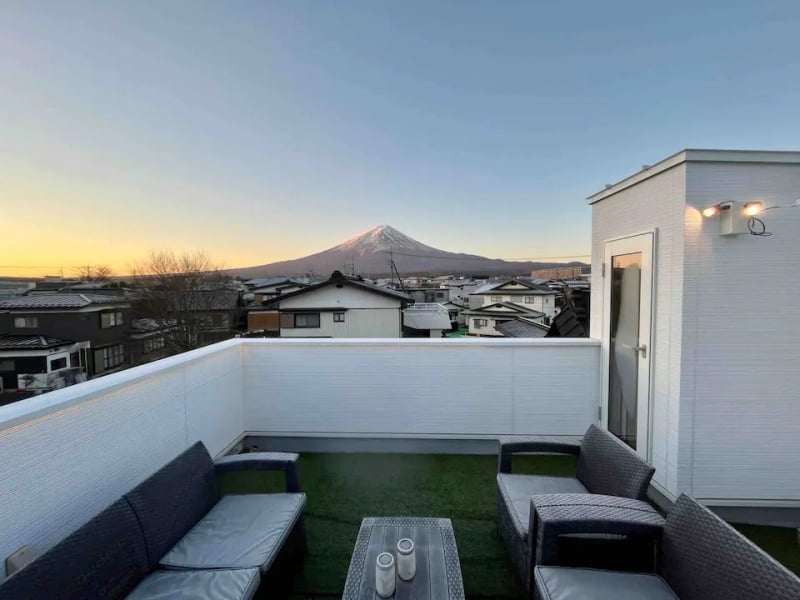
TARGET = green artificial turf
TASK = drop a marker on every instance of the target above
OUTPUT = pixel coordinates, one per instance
(344, 488)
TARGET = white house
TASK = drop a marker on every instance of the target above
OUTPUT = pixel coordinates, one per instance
(517, 291)
(698, 321)
(484, 320)
(341, 307)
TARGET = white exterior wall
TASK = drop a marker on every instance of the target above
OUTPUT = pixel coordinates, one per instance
(486, 330)
(368, 315)
(741, 338)
(67, 454)
(656, 203)
(473, 388)
(725, 386)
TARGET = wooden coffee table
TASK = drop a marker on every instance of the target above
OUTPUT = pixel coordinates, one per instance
(438, 575)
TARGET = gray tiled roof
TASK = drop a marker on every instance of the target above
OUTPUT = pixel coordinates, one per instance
(30, 342)
(517, 328)
(58, 301)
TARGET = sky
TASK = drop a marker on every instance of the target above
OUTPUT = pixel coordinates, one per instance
(263, 131)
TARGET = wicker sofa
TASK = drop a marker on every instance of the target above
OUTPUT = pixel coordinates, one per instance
(701, 558)
(175, 535)
(605, 466)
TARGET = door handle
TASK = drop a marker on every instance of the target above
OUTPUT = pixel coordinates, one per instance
(641, 349)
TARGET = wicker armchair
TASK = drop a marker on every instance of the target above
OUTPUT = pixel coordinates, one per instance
(605, 466)
(702, 558)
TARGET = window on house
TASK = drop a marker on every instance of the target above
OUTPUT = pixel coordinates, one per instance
(440, 294)
(527, 299)
(59, 363)
(480, 323)
(547, 300)
(113, 356)
(496, 298)
(110, 319)
(6, 364)
(26, 322)
(154, 343)
(310, 320)
(338, 317)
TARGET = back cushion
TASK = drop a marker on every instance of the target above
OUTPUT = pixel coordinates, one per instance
(105, 558)
(173, 499)
(704, 558)
(607, 466)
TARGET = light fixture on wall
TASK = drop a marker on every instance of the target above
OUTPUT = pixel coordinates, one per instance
(751, 209)
(736, 218)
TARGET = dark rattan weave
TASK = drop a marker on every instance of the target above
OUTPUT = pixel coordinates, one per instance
(605, 466)
(174, 498)
(703, 558)
(105, 558)
(556, 515)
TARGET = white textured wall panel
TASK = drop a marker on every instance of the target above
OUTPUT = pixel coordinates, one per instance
(656, 203)
(66, 455)
(741, 348)
(358, 323)
(431, 387)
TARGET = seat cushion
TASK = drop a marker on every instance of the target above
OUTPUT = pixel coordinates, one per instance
(239, 532)
(565, 583)
(516, 491)
(231, 584)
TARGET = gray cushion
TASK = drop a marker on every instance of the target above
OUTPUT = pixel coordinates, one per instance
(564, 583)
(240, 531)
(517, 490)
(231, 584)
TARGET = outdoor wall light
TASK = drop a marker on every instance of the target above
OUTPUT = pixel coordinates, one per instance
(711, 211)
(751, 209)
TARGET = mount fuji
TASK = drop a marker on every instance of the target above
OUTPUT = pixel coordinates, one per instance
(369, 254)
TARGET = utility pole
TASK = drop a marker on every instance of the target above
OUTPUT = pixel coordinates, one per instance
(391, 264)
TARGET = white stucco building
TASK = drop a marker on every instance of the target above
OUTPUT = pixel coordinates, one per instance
(341, 307)
(698, 321)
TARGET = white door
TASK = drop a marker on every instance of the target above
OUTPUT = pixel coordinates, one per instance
(627, 339)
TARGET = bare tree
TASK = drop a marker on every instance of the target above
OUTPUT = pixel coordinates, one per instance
(94, 273)
(182, 294)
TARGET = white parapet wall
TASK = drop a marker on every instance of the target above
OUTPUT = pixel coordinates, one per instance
(66, 455)
(439, 388)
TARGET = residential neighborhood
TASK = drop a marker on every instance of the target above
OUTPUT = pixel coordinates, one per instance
(55, 332)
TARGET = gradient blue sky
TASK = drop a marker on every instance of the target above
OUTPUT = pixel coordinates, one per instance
(261, 131)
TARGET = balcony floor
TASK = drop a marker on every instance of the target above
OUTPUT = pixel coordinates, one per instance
(344, 488)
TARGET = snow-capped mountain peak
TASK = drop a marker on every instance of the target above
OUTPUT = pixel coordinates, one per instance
(383, 238)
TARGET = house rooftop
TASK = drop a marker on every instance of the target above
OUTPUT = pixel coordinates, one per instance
(697, 155)
(522, 328)
(55, 301)
(337, 278)
(531, 288)
(31, 342)
(515, 310)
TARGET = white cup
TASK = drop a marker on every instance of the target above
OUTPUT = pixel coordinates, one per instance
(385, 575)
(406, 559)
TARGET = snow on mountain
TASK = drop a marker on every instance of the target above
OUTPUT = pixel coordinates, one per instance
(370, 252)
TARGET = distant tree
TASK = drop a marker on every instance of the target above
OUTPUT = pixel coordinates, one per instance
(94, 273)
(177, 291)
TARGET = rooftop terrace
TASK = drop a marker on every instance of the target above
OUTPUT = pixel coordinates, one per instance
(343, 488)
(68, 454)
